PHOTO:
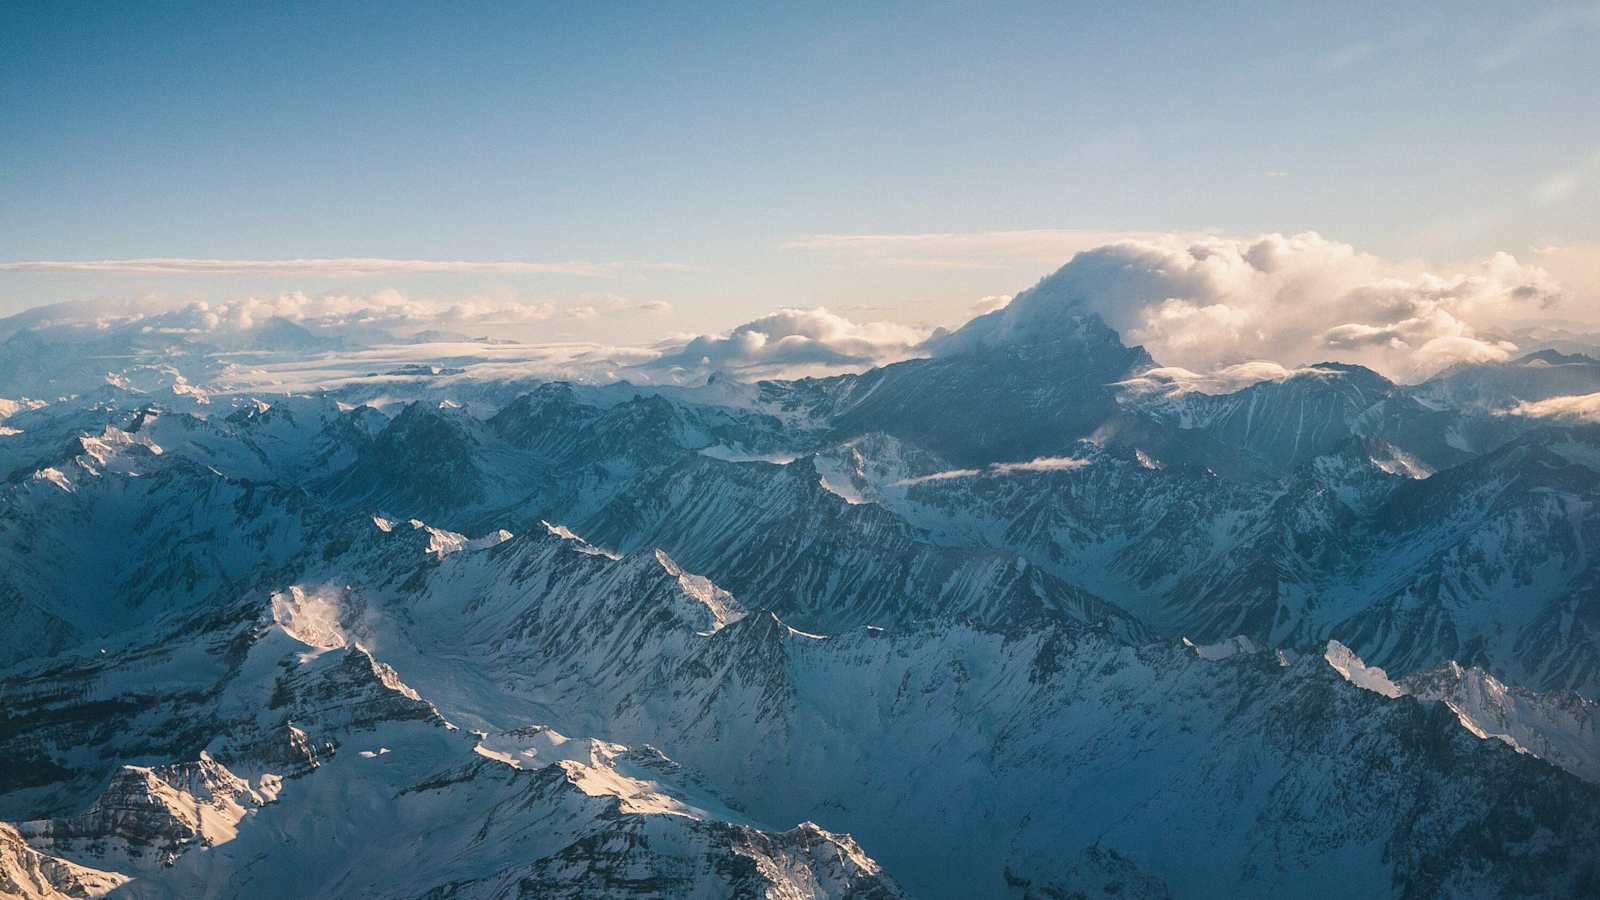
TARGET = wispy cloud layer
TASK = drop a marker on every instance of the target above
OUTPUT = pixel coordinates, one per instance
(361, 316)
(335, 267)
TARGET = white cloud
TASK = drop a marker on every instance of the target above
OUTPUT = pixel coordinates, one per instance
(990, 303)
(1571, 409)
(339, 267)
(794, 338)
(382, 309)
(368, 314)
(1207, 304)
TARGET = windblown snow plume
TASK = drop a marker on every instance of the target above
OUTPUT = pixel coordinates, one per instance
(1173, 380)
(1000, 470)
(1572, 409)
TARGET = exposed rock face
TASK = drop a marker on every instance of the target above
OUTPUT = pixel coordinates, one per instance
(28, 873)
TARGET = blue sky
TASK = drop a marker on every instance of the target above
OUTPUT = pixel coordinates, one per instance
(693, 157)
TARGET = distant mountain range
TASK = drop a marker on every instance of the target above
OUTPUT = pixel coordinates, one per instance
(1028, 615)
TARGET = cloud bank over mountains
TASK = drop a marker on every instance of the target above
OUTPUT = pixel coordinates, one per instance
(1214, 312)
(364, 315)
(383, 309)
(1209, 304)
(797, 338)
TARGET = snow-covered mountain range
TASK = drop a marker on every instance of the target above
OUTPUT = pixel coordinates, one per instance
(1029, 615)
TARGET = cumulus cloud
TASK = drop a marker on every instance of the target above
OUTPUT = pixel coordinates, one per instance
(792, 338)
(1571, 409)
(1207, 304)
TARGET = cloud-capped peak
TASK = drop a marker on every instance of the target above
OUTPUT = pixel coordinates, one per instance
(1211, 303)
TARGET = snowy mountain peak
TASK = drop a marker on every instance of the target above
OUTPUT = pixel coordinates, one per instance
(1348, 664)
(723, 607)
(1561, 728)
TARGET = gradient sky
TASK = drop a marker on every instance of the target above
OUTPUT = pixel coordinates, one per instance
(693, 157)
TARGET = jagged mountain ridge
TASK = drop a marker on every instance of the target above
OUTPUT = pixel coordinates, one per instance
(548, 623)
(298, 726)
(623, 647)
